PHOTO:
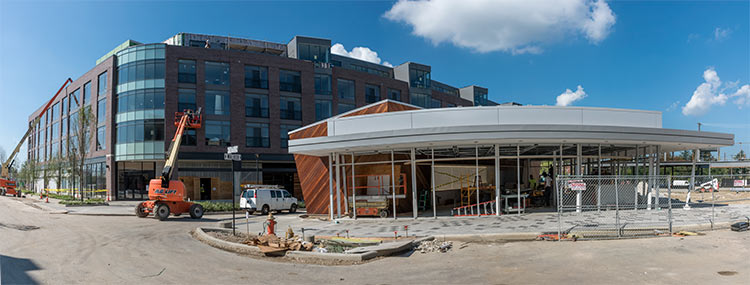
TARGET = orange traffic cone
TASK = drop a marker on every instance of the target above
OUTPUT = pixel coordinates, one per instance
(47, 200)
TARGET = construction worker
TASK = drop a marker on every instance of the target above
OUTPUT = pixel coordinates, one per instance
(548, 189)
(532, 182)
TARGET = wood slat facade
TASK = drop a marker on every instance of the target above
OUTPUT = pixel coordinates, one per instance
(313, 170)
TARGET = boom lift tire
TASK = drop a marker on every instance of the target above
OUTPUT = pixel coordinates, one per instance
(383, 213)
(162, 212)
(139, 211)
(196, 211)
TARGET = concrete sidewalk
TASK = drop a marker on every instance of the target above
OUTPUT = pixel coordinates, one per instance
(115, 208)
(511, 226)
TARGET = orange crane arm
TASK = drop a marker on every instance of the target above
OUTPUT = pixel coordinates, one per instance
(7, 163)
(185, 120)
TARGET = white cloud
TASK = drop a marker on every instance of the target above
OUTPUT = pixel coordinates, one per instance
(706, 95)
(721, 34)
(361, 53)
(515, 26)
(742, 96)
(568, 97)
(673, 106)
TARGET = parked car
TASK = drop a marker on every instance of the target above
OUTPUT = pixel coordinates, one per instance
(266, 198)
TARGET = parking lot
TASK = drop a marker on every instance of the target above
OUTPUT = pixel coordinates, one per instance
(39, 247)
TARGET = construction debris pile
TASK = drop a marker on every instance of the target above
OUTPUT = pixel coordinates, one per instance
(270, 244)
(434, 246)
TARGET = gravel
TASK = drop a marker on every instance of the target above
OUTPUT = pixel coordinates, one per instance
(429, 246)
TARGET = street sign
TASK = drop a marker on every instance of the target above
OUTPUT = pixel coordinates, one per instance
(233, 156)
(232, 149)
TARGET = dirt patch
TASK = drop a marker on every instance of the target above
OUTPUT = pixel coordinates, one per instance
(723, 197)
(19, 227)
(239, 237)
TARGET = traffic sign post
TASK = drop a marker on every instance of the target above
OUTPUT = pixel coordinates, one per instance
(234, 157)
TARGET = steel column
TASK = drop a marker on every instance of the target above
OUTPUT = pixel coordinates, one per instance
(413, 183)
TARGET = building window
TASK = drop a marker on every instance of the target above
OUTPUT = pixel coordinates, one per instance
(434, 103)
(217, 73)
(52, 112)
(285, 129)
(256, 135)
(140, 131)
(290, 108)
(140, 99)
(372, 93)
(480, 98)
(101, 110)
(64, 123)
(75, 99)
(140, 70)
(53, 150)
(186, 71)
(87, 93)
(55, 132)
(217, 102)
(100, 138)
(217, 133)
(190, 138)
(64, 107)
(343, 107)
(290, 81)
(322, 109)
(101, 84)
(394, 94)
(186, 100)
(316, 53)
(322, 84)
(419, 78)
(256, 105)
(256, 77)
(345, 89)
(421, 100)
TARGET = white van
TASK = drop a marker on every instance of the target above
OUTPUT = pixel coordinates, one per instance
(265, 198)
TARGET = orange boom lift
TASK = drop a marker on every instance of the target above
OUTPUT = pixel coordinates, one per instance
(166, 194)
(8, 185)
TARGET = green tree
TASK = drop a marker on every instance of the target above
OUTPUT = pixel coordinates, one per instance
(28, 173)
(81, 127)
(686, 155)
(740, 155)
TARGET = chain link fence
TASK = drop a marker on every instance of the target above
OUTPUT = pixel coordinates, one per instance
(610, 207)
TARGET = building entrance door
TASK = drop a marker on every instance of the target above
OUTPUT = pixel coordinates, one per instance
(205, 188)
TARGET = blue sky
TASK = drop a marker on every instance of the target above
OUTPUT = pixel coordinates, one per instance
(635, 54)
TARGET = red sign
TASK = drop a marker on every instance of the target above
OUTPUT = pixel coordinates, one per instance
(577, 185)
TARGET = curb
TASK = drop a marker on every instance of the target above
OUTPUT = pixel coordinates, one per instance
(202, 236)
(100, 214)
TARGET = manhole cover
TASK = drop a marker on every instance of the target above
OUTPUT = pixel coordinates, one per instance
(727, 273)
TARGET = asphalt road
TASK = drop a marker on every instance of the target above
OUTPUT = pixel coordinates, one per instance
(67, 249)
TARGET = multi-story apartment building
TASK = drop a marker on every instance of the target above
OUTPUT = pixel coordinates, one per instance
(252, 94)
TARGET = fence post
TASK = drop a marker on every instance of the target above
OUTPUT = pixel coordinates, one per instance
(669, 198)
(713, 202)
(617, 208)
(559, 207)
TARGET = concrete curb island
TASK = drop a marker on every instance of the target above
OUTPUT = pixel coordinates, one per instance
(305, 256)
